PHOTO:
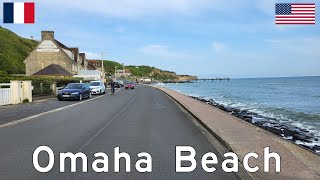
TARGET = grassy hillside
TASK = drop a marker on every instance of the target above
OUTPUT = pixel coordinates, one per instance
(110, 65)
(147, 72)
(152, 72)
(13, 51)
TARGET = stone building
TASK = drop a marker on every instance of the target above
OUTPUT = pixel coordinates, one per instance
(51, 51)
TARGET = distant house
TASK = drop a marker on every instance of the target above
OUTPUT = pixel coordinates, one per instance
(51, 51)
(91, 75)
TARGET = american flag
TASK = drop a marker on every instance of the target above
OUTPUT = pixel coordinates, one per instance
(295, 13)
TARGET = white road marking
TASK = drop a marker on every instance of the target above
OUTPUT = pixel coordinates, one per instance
(115, 117)
(48, 112)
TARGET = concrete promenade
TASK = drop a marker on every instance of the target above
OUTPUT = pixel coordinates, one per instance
(242, 138)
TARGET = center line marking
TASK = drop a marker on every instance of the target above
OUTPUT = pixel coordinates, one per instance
(115, 117)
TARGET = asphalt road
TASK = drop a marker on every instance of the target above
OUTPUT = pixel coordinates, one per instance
(12, 113)
(140, 120)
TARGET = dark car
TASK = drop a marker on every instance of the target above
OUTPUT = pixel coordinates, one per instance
(75, 91)
(116, 84)
(129, 85)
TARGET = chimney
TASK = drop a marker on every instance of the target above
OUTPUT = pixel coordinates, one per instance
(49, 34)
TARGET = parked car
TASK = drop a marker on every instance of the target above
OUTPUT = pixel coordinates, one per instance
(129, 85)
(116, 84)
(75, 91)
(97, 87)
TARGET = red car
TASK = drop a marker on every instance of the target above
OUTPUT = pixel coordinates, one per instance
(129, 85)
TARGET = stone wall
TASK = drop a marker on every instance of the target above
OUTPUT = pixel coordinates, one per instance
(39, 60)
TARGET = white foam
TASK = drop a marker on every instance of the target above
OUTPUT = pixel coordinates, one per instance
(289, 137)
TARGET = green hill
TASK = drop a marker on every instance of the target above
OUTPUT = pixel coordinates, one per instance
(140, 71)
(109, 66)
(13, 50)
(147, 72)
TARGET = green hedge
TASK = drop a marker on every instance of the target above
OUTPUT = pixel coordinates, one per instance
(37, 80)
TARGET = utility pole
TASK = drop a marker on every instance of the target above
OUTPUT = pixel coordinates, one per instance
(115, 71)
(102, 64)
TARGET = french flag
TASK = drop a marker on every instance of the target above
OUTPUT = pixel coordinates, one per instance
(18, 12)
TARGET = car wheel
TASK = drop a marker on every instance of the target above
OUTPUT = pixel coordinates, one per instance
(60, 99)
(104, 92)
(80, 97)
(100, 92)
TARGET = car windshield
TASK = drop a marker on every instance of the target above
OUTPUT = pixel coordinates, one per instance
(94, 84)
(129, 83)
(73, 86)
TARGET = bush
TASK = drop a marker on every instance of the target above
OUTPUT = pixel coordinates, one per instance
(25, 101)
(2, 73)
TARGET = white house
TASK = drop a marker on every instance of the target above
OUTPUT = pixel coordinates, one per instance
(94, 75)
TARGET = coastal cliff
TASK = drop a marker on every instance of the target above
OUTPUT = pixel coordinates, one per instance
(158, 74)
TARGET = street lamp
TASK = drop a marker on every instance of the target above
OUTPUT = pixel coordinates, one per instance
(115, 70)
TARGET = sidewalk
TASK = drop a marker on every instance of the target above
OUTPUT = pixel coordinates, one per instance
(241, 138)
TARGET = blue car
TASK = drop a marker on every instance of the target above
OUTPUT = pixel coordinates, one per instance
(74, 91)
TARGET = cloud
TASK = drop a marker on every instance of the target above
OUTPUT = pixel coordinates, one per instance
(91, 55)
(307, 46)
(219, 47)
(161, 51)
(120, 29)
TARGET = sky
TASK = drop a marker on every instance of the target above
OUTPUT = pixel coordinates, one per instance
(207, 38)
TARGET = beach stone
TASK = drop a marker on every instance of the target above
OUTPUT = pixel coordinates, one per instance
(248, 120)
(247, 116)
(230, 109)
(274, 130)
(301, 138)
(304, 146)
(316, 148)
(287, 132)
